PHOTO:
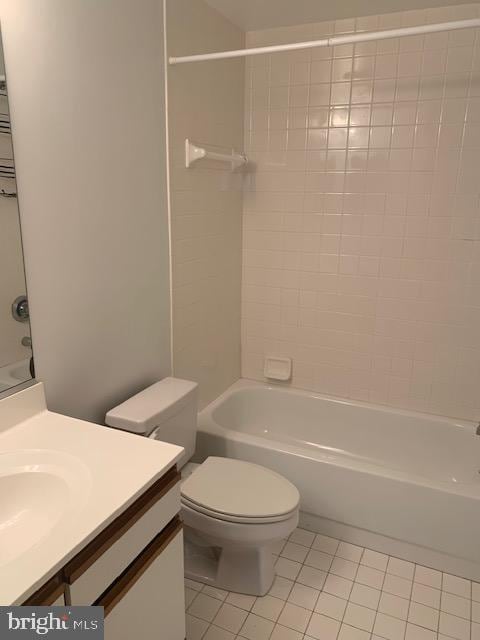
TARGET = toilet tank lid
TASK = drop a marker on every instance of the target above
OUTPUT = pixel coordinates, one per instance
(149, 408)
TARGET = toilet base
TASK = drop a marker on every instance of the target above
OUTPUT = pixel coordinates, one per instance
(242, 569)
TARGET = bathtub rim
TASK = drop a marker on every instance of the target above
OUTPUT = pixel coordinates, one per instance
(208, 424)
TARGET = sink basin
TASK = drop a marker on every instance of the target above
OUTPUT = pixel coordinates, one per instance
(39, 490)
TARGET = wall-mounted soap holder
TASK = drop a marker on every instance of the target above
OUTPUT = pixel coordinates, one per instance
(279, 369)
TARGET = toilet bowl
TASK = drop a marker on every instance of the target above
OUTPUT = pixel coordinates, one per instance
(233, 511)
(238, 510)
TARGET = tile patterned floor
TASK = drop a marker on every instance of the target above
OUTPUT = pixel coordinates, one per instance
(326, 589)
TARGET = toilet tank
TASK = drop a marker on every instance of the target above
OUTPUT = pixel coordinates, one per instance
(166, 411)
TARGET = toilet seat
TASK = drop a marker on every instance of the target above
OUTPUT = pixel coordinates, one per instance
(235, 519)
(239, 492)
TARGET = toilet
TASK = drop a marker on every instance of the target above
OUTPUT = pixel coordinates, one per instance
(233, 511)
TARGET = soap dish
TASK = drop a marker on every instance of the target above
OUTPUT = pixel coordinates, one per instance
(277, 368)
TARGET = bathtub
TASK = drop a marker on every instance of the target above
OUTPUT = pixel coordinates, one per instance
(400, 482)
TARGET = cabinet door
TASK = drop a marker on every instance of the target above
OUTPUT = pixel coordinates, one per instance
(148, 602)
(102, 561)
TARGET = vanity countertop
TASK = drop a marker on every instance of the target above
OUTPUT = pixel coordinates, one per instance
(62, 481)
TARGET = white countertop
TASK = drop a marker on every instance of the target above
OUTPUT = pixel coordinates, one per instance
(103, 471)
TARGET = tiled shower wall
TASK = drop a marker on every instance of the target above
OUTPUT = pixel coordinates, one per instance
(206, 102)
(361, 215)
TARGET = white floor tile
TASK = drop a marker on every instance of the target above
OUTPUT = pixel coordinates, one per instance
(241, 600)
(294, 617)
(476, 591)
(393, 605)
(401, 568)
(215, 633)
(366, 596)
(281, 587)
(360, 617)
(455, 605)
(426, 595)
(304, 596)
(192, 584)
(454, 627)
(319, 560)
(419, 633)
(278, 546)
(351, 633)
(287, 568)
(301, 536)
(475, 631)
(312, 577)
(295, 552)
(429, 577)
(331, 590)
(323, 628)
(204, 607)
(284, 633)
(331, 606)
(230, 618)
(256, 628)
(219, 594)
(389, 627)
(325, 544)
(374, 560)
(423, 616)
(268, 607)
(195, 628)
(344, 568)
(476, 611)
(457, 586)
(190, 594)
(371, 577)
(338, 586)
(397, 586)
(349, 551)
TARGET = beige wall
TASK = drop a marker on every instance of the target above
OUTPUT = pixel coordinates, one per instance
(206, 104)
(361, 219)
(87, 104)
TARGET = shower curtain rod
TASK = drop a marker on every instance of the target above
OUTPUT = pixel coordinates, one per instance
(330, 42)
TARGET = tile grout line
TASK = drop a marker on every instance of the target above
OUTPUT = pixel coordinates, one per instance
(348, 600)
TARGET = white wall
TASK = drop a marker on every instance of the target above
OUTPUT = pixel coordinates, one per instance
(206, 104)
(361, 220)
(86, 94)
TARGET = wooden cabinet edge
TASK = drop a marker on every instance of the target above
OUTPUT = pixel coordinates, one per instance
(122, 585)
(114, 531)
(48, 593)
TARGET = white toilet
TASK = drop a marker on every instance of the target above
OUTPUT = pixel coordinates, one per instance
(233, 510)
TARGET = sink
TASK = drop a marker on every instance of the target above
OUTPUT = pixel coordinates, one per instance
(39, 490)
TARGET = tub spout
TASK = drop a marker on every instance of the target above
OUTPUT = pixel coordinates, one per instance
(478, 429)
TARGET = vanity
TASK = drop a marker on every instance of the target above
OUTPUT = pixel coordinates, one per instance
(90, 517)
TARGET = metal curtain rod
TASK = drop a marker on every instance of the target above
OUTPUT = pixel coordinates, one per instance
(330, 42)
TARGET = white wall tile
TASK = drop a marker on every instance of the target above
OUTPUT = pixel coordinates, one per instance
(379, 201)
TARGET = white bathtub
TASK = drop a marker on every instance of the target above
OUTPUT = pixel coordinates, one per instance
(400, 482)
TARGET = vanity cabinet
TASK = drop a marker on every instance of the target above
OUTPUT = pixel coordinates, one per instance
(144, 603)
(133, 568)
